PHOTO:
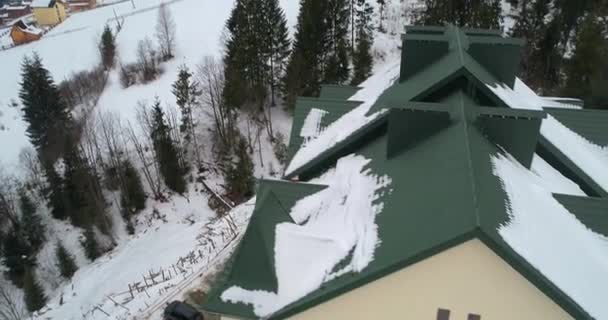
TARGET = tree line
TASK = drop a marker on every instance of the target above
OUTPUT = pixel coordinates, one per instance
(566, 41)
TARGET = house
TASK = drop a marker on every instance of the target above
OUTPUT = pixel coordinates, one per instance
(81, 5)
(22, 33)
(443, 188)
(49, 12)
(10, 12)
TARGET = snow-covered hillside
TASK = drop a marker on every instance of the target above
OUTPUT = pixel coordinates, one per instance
(72, 47)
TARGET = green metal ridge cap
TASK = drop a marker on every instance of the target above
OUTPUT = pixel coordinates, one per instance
(497, 40)
(512, 113)
(424, 29)
(424, 37)
(402, 92)
(329, 100)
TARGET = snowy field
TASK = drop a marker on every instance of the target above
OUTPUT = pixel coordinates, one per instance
(72, 47)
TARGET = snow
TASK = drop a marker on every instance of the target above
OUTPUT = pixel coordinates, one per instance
(553, 180)
(72, 47)
(329, 225)
(385, 74)
(551, 239)
(312, 124)
(159, 247)
(591, 158)
(40, 3)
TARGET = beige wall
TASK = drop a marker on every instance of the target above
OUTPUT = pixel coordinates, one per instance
(50, 16)
(469, 278)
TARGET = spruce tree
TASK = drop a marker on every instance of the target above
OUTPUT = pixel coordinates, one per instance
(133, 198)
(320, 49)
(336, 68)
(44, 110)
(186, 94)
(35, 298)
(166, 151)
(56, 195)
(484, 14)
(82, 189)
(31, 222)
(256, 52)
(17, 255)
(239, 176)
(305, 66)
(279, 45)
(587, 69)
(362, 57)
(107, 48)
(65, 261)
(90, 244)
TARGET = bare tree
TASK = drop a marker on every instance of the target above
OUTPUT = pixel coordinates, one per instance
(210, 74)
(150, 167)
(176, 136)
(31, 166)
(147, 61)
(165, 31)
(8, 199)
(11, 302)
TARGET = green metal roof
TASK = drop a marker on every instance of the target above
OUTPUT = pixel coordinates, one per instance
(339, 92)
(445, 193)
(335, 108)
(590, 124)
(435, 139)
(592, 212)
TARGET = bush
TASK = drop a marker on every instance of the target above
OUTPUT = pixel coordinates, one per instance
(147, 67)
(83, 88)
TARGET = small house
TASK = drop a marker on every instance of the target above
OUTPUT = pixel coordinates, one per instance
(81, 5)
(22, 33)
(49, 12)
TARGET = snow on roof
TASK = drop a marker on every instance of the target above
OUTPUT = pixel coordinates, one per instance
(342, 128)
(312, 124)
(591, 158)
(41, 3)
(552, 239)
(329, 225)
(553, 180)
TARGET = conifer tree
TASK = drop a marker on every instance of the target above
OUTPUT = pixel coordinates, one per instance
(256, 52)
(587, 69)
(35, 298)
(186, 94)
(31, 222)
(65, 261)
(336, 68)
(107, 48)
(56, 195)
(133, 197)
(82, 189)
(90, 244)
(17, 255)
(166, 151)
(239, 176)
(279, 44)
(362, 57)
(44, 110)
(320, 49)
(484, 14)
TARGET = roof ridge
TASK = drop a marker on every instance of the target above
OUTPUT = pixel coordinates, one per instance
(469, 158)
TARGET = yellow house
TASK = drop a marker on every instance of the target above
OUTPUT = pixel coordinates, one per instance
(49, 12)
(429, 205)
